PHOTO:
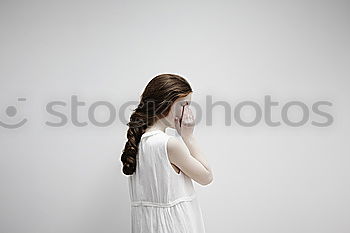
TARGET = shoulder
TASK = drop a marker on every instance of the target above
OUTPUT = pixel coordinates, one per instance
(173, 143)
(175, 147)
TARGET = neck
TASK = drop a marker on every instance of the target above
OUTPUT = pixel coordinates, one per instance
(157, 125)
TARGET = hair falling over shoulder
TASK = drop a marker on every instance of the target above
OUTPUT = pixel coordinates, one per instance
(155, 103)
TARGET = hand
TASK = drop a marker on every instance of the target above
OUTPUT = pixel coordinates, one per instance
(185, 125)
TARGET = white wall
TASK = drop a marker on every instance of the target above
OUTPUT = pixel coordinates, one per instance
(266, 179)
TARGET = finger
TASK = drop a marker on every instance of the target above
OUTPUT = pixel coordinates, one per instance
(186, 117)
(190, 111)
(186, 110)
(177, 122)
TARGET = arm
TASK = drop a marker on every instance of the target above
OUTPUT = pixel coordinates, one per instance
(187, 156)
(197, 153)
(189, 159)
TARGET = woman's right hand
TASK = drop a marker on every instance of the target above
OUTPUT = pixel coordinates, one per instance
(185, 126)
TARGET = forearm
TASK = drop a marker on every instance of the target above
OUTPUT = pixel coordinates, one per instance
(197, 153)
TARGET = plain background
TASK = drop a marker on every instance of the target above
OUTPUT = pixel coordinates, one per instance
(266, 179)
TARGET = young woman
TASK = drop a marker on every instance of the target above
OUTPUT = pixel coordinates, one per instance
(161, 166)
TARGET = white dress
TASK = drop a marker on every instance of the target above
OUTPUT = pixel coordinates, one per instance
(162, 200)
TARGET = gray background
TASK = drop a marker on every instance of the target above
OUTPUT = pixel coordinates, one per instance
(68, 179)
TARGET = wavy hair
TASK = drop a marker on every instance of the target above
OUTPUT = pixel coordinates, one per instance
(155, 103)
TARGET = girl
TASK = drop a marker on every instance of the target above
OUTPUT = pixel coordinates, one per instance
(161, 166)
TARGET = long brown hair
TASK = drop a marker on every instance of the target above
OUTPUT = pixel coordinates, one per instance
(155, 103)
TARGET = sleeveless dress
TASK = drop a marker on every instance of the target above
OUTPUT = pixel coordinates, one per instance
(162, 200)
